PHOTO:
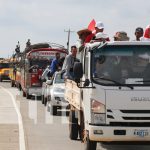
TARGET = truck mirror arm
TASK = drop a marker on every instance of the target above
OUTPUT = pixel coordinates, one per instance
(84, 86)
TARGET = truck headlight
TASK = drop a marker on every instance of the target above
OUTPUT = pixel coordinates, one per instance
(98, 112)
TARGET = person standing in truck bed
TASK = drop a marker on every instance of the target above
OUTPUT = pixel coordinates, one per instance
(55, 64)
(69, 63)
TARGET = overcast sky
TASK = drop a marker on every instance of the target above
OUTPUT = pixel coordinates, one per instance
(46, 20)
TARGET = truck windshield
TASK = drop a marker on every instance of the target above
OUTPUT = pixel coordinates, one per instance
(4, 65)
(127, 65)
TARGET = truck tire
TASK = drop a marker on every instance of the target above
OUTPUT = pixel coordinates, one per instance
(89, 145)
(1, 79)
(28, 96)
(12, 83)
(81, 126)
(45, 101)
(53, 110)
(42, 99)
(23, 94)
(73, 126)
(20, 87)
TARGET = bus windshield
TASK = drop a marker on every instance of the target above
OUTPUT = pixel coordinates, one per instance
(4, 65)
(40, 63)
(126, 64)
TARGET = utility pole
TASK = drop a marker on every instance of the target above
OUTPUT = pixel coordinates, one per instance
(68, 31)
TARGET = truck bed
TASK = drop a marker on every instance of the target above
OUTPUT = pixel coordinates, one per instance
(72, 94)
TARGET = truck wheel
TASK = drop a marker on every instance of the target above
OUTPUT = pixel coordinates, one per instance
(12, 84)
(19, 87)
(89, 145)
(81, 126)
(1, 79)
(45, 101)
(53, 110)
(28, 96)
(73, 125)
(23, 94)
(42, 99)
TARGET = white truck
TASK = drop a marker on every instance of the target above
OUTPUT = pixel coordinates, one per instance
(110, 96)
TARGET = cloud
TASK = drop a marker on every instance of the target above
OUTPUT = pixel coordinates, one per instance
(46, 20)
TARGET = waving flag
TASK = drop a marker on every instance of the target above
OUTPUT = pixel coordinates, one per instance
(91, 25)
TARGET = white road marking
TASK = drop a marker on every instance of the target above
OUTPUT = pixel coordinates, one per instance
(21, 130)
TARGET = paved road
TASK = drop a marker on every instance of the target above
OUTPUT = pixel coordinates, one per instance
(43, 131)
(9, 128)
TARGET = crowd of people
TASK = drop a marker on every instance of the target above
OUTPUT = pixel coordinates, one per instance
(89, 36)
(97, 34)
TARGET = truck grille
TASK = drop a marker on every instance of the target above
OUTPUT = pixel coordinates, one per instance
(131, 118)
(136, 111)
(136, 118)
(130, 124)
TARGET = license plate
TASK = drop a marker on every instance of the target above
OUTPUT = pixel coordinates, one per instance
(141, 133)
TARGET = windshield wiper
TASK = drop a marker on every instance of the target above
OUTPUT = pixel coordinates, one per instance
(116, 83)
(144, 81)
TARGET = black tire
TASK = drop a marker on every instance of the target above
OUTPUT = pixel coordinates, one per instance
(73, 126)
(81, 126)
(19, 87)
(53, 110)
(45, 101)
(12, 83)
(89, 145)
(1, 79)
(28, 96)
(80, 132)
(23, 94)
(42, 99)
(39, 97)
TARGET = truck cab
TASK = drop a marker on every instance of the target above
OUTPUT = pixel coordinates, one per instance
(112, 95)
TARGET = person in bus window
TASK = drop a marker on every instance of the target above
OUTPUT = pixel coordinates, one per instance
(55, 64)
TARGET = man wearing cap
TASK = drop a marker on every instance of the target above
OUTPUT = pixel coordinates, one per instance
(99, 35)
(99, 28)
(138, 33)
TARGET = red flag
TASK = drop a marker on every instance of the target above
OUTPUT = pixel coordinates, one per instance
(91, 25)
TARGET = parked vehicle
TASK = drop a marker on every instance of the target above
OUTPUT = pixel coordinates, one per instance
(110, 97)
(34, 61)
(4, 69)
(15, 71)
(53, 94)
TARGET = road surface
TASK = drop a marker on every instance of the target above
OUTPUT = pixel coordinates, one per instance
(41, 131)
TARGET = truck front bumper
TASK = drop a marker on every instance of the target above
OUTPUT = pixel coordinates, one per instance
(110, 134)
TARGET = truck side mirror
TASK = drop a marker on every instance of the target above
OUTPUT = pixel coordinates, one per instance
(77, 71)
(86, 83)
